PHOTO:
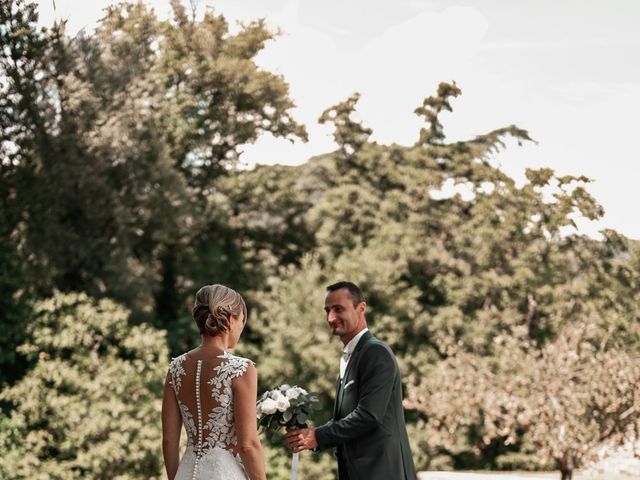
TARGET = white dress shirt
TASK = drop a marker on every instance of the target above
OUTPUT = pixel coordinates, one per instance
(348, 350)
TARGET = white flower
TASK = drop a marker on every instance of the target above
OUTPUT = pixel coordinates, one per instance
(277, 395)
(295, 392)
(268, 406)
(282, 403)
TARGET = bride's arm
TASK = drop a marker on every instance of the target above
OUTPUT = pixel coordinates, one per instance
(171, 424)
(245, 391)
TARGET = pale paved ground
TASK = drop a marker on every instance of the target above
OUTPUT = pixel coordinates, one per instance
(613, 463)
(486, 476)
(516, 476)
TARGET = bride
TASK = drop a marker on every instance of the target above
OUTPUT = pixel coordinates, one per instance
(213, 394)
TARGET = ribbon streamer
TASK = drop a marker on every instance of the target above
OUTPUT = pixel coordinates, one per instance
(294, 466)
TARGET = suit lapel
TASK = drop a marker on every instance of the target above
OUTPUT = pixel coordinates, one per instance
(338, 395)
(347, 374)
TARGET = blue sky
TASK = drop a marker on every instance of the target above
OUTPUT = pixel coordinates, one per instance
(566, 70)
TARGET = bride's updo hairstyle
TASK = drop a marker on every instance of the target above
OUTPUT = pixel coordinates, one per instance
(214, 305)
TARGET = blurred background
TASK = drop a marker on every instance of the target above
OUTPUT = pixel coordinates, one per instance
(472, 174)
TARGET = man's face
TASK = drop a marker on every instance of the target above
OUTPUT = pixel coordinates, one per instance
(344, 319)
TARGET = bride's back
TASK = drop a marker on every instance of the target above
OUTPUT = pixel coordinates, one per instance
(203, 389)
(199, 390)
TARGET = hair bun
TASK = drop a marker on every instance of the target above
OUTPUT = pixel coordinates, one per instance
(213, 307)
(218, 321)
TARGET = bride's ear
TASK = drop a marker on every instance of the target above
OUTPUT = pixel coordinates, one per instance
(233, 319)
(240, 317)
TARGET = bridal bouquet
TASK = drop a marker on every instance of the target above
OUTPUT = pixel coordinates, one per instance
(285, 406)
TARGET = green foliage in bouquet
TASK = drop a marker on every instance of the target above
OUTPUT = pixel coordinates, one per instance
(285, 406)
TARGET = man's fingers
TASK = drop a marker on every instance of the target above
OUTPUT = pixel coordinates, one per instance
(296, 439)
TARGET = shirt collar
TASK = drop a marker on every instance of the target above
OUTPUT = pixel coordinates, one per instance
(351, 346)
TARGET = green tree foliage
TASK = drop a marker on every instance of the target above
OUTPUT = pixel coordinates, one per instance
(116, 139)
(430, 110)
(15, 19)
(446, 274)
(14, 312)
(567, 398)
(219, 99)
(90, 407)
(349, 134)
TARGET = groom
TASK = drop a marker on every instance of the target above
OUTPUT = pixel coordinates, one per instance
(368, 429)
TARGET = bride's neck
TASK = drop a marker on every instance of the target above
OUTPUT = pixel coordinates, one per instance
(218, 344)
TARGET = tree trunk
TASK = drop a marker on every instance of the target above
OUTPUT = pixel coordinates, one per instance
(566, 473)
(565, 465)
(167, 301)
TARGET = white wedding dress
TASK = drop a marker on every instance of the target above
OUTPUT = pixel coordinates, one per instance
(204, 394)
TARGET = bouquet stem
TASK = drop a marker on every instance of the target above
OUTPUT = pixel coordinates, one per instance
(294, 465)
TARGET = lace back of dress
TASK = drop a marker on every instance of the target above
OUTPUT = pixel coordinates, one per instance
(203, 389)
(204, 392)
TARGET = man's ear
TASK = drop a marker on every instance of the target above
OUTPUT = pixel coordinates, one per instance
(362, 306)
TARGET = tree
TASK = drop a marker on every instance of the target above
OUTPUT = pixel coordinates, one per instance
(217, 98)
(116, 140)
(18, 62)
(14, 312)
(350, 135)
(566, 399)
(447, 274)
(90, 407)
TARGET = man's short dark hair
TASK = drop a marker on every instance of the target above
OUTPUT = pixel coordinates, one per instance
(356, 294)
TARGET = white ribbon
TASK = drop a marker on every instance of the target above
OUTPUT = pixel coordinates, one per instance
(294, 466)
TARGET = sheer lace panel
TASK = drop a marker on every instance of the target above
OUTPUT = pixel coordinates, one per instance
(205, 397)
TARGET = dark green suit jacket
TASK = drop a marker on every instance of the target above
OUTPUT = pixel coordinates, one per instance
(368, 428)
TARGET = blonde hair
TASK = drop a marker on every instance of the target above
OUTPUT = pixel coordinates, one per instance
(213, 306)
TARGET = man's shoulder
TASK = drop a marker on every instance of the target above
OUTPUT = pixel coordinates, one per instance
(371, 339)
(375, 345)
(377, 355)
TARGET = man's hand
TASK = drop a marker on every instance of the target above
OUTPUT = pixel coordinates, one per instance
(301, 439)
